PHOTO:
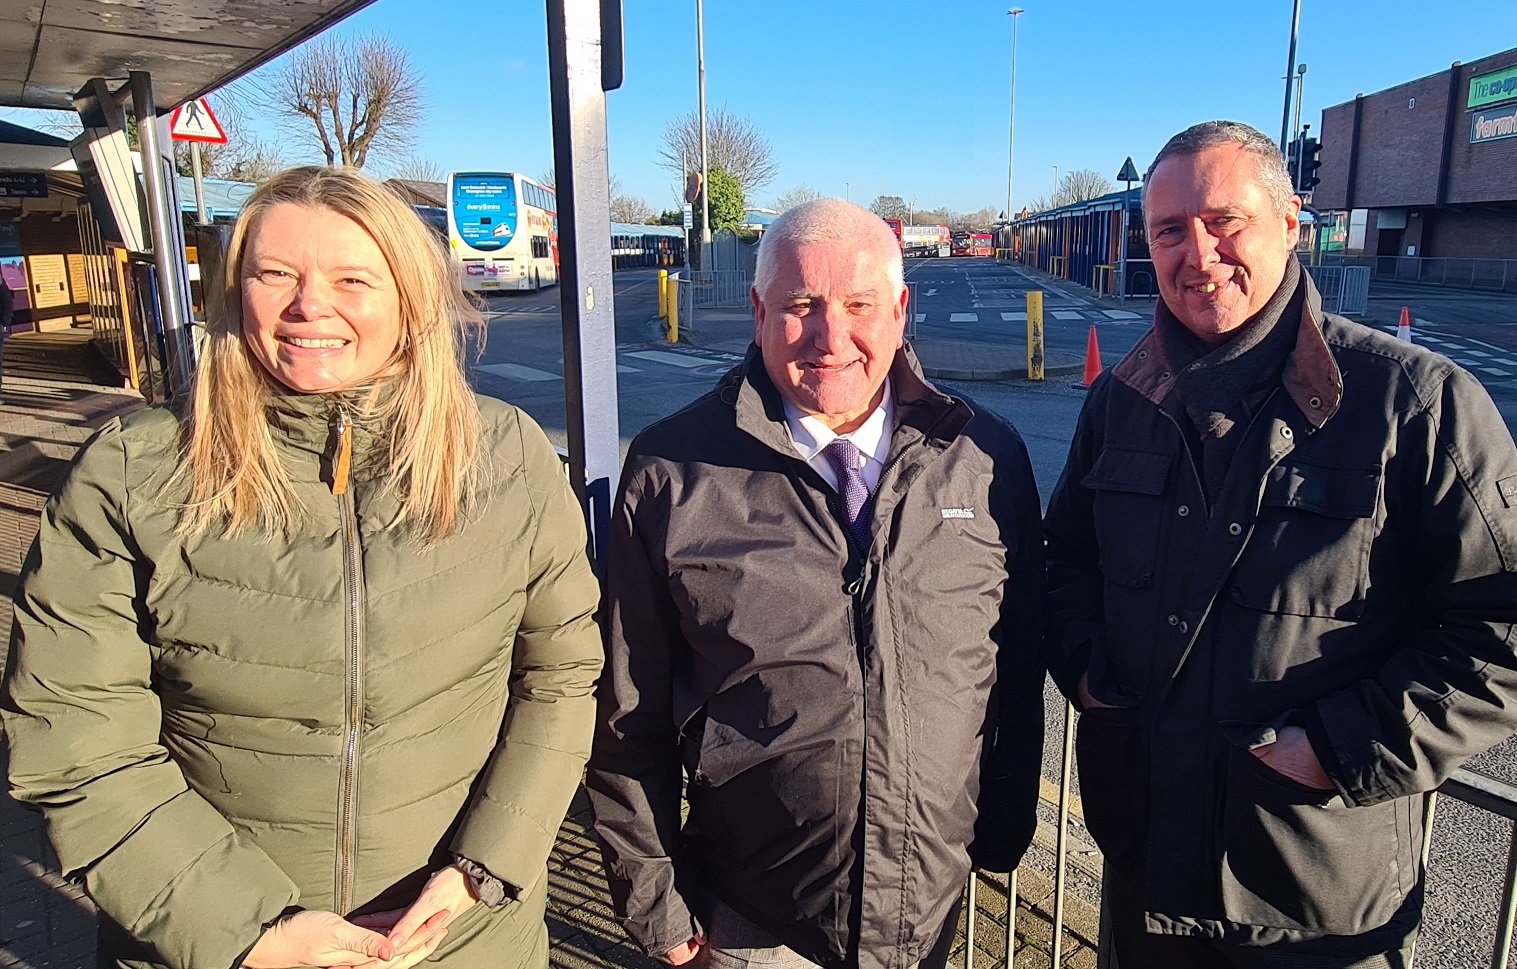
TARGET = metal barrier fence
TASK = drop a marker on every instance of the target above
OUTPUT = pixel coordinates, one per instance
(1344, 289)
(1478, 790)
(721, 287)
(1491, 275)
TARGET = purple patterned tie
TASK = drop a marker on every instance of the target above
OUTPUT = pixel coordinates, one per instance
(844, 458)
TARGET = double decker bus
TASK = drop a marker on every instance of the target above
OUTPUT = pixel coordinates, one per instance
(973, 244)
(895, 226)
(503, 228)
(926, 240)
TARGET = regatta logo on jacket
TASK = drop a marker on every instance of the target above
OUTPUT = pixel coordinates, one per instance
(957, 513)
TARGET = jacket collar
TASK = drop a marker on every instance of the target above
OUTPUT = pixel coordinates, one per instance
(1311, 377)
(919, 405)
(306, 424)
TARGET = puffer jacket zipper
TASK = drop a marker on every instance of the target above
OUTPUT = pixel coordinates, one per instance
(353, 586)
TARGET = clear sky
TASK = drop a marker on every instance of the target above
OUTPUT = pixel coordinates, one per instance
(871, 97)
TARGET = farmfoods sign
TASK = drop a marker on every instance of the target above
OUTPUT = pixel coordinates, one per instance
(1494, 125)
(1493, 88)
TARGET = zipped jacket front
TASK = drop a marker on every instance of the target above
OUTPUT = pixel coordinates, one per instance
(219, 728)
(832, 705)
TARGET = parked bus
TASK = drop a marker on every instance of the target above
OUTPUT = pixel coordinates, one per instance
(503, 228)
(973, 244)
(926, 240)
(895, 226)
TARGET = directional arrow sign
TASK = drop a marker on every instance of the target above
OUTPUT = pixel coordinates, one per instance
(195, 122)
(1129, 172)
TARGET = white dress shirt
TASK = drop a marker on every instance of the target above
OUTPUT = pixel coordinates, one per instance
(872, 439)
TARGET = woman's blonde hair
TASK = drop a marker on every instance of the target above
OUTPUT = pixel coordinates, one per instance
(431, 418)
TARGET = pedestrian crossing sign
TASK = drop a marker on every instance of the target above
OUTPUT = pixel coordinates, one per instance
(195, 122)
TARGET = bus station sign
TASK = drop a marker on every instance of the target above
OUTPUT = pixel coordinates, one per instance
(1493, 88)
(27, 185)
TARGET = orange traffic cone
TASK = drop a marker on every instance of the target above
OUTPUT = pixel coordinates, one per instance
(1093, 366)
(1404, 328)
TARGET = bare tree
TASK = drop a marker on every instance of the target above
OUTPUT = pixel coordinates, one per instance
(799, 195)
(418, 168)
(889, 207)
(1084, 184)
(732, 144)
(361, 95)
(548, 177)
(630, 208)
(980, 220)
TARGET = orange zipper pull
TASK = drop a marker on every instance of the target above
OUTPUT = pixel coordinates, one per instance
(344, 460)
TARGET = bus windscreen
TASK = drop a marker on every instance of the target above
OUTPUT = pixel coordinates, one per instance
(484, 210)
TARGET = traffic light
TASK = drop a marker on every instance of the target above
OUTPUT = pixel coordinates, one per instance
(1292, 154)
(1310, 149)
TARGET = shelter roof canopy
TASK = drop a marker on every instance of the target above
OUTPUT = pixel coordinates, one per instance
(191, 47)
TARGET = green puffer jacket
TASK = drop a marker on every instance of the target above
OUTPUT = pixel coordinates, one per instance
(219, 729)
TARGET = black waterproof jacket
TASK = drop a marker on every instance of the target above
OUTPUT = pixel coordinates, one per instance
(1354, 576)
(832, 706)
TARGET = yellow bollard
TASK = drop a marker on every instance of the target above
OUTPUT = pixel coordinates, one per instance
(1035, 335)
(673, 306)
(663, 293)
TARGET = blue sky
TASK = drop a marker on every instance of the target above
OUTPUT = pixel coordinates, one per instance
(874, 97)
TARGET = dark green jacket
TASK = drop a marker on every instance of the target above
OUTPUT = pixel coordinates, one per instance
(217, 729)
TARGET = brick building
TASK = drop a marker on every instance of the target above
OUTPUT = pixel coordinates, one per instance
(1427, 169)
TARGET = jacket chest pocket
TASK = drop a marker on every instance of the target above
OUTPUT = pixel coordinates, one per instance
(1309, 552)
(1129, 509)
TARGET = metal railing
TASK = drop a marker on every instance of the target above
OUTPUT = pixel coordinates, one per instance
(1344, 289)
(1478, 790)
(720, 287)
(1490, 275)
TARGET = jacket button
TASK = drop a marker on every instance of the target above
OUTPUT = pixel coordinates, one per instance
(1287, 433)
(1183, 510)
(1184, 627)
(1235, 529)
(1173, 619)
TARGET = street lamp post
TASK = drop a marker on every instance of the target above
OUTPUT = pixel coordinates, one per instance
(1290, 70)
(848, 191)
(1054, 197)
(1015, 13)
(700, 53)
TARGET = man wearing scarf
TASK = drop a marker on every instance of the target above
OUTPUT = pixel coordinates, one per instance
(1283, 590)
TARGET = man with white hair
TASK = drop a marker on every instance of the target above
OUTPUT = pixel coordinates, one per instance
(824, 610)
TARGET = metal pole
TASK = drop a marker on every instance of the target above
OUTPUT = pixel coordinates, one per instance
(970, 906)
(1061, 842)
(202, 214)
(176, 317)
(1508, 910)
(1126, 209)
(1300, 86)
(1011, 919)
(576, 50)
(1290, 70)
(1011, 137)
(848, 191)
(700, 54)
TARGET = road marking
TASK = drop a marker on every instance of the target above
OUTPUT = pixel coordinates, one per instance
(921, 317)
(1066, 315)
(932, 292)
(623, 368)
(963, 317)
(1488, 346)
(515, 371)
(1014, 317)
(1418, 321)
(1477, 353)
(1497, 371)
(1122, 315)
(673, 359)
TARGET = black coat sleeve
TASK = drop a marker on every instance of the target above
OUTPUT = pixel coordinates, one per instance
(1010, 780)
(1448, 691)
(634, 778)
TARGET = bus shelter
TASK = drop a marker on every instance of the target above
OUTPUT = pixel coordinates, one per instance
(1082, 242)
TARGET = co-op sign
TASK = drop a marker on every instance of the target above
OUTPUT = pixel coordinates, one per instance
(1493, 88)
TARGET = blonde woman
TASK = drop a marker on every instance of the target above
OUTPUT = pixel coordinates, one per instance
(302, 672)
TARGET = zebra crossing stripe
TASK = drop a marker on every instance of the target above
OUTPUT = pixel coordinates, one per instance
(516, 371)
(963, 317)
